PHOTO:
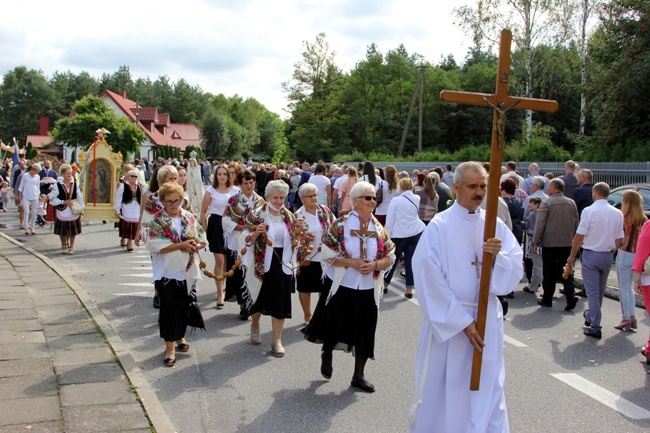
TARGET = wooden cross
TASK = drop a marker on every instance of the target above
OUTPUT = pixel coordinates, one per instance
(500, 102)
(477, 265)
(363, 234)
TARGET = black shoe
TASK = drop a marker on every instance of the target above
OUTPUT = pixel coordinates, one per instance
(510, 295)
(169, 362)
(243, 315)
(570, 305)
(363, 384)
(581, 293)
(326, 368)
(156, 301)
(591, 333)
(544, 304)
(584, 314)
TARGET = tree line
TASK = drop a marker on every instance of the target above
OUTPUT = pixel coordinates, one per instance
(589, 55)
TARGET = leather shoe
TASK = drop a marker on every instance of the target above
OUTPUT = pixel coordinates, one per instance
(156, 301)
(584, 314)
(571, 304)
(581, 293)
(363, 384)
(544, 304)
(591, 333)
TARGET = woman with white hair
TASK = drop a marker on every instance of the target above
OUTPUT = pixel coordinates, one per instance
(355, 254)
(318, 219)
(127, 204)
(29, 191)
(270, 263)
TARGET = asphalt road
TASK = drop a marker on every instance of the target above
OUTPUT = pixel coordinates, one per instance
(557, 380)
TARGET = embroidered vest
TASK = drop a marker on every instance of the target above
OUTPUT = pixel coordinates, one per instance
(63, 195)
(127, 196)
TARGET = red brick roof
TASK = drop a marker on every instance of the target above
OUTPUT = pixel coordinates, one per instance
(186, 131)
(128, 107)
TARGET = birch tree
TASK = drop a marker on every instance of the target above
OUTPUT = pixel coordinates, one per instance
(532, 22)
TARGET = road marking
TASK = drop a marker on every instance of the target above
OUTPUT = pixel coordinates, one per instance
(512, 341)
(137, 275)
(604, 396)
(141, 268)
(147, 294)
(136, 284)
(507, 339)
(140, 261)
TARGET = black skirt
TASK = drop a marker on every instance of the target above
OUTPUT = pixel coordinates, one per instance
(174, 307)
(274, 298)
(309, 279)
(128, 230)
(67, 228)
(348, 322)
(234, 284)
(214, 234)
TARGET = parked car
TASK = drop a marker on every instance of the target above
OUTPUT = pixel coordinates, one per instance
(616, 195)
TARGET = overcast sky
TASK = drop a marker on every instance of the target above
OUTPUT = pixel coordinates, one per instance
(245, 47)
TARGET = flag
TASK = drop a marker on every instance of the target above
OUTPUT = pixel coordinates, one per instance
(16, 155)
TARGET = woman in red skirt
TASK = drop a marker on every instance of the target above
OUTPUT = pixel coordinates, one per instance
(127, 207)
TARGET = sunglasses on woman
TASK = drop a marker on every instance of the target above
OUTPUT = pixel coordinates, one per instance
(369, 197)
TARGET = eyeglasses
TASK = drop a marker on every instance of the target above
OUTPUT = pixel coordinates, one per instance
(133, 175)
(369, 197)
(172, 202)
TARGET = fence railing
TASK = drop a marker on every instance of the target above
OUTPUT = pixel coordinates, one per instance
(614, 173)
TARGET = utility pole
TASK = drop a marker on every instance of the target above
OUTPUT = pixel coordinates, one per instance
(418, 87)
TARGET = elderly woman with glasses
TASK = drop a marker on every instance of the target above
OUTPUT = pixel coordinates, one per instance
(174, 239)
(128, 201)
(318, 220)
(270, 263)
(355, 254)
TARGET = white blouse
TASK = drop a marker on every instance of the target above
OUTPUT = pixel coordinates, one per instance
(353, 279)
(313, 224)
(220, 200)
(158, 265)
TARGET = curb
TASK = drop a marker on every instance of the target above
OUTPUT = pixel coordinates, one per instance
(612, 292)
(152, 406)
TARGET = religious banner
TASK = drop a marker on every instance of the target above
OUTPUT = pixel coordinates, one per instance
(100, 173)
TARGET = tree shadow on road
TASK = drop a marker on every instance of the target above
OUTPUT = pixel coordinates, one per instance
(312, 412)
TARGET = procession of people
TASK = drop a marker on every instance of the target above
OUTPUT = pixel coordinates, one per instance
(341, 247)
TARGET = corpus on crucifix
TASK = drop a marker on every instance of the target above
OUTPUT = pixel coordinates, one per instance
(363, 234)
(500, 102)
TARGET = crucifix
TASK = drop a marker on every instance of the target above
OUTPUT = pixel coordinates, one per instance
(363, 234)
(477, 265)
(500, 102)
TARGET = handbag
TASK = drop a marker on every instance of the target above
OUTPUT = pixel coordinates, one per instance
(75, 206)
(194, 317)
(380, 193)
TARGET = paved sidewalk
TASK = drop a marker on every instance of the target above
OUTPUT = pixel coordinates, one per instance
(62, 368)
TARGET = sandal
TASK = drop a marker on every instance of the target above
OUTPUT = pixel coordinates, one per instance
(278, 349)
(255, 336)
(70, 252)
(182, 347)
(169, 362)
(33, 231)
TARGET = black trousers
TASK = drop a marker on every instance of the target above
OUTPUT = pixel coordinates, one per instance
(554, 259)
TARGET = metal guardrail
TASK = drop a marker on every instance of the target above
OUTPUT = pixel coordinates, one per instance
(615, 174)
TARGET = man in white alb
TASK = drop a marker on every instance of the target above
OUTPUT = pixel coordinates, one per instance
(446, 265)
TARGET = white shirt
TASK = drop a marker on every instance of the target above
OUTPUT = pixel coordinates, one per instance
(158, 265)
(339, 182)
(382, 209)
(314, 227)
(321, 182)
(353, 279)
(29, 187)
(601, 224)
(220, 200)
(402, 219)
